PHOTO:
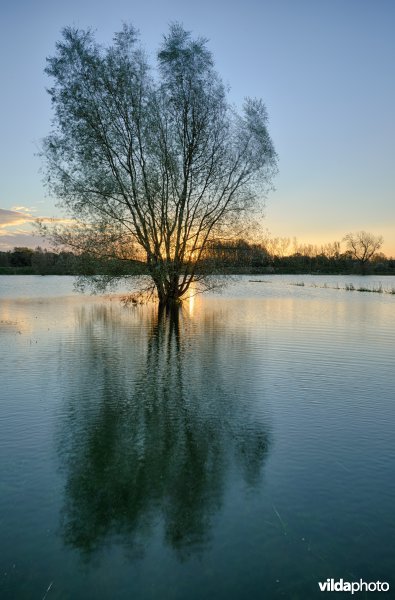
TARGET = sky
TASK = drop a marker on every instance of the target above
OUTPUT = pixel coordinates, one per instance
(324, 68)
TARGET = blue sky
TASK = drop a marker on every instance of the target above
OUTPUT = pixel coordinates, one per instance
(324, 68)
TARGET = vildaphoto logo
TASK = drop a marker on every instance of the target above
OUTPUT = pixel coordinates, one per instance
(330, 585)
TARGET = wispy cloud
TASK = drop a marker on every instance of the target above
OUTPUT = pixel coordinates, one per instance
(10, 218)
(16, 227)
(24, 239)
(24, 209)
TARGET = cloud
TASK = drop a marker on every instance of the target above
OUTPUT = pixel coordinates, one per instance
(24, 239)
(12, 217)
(24, 209)
(16, 228)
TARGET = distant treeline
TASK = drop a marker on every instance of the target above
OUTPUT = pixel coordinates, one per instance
(25, 261)
(233, 257)
(275, 257)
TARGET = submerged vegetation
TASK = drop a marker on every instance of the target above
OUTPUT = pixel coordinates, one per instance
(350, 287)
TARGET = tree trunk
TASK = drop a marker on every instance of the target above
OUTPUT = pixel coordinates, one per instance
(168, 292)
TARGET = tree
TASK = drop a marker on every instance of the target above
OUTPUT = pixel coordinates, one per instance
(331, 250)
(152, 167)
(21, 257)
(276, 247)
(363, 246)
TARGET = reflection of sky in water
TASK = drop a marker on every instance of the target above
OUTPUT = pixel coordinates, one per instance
(245, 450)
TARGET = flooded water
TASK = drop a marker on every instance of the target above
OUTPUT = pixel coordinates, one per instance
(243, 450)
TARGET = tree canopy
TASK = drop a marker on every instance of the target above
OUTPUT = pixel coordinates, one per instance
(152, 163)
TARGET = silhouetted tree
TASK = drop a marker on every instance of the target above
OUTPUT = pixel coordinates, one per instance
(363, 246)
(161, 165)
(21, 257)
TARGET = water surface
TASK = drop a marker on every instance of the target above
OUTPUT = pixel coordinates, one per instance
(245, 449)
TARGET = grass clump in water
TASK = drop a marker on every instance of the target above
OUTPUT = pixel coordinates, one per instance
(375, 290)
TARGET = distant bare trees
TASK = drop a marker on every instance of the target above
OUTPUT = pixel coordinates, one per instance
(277, 246)
(357, 252)
(331, 250)
(362, 246)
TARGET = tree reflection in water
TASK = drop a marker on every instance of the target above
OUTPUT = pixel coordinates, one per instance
(154, 426)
